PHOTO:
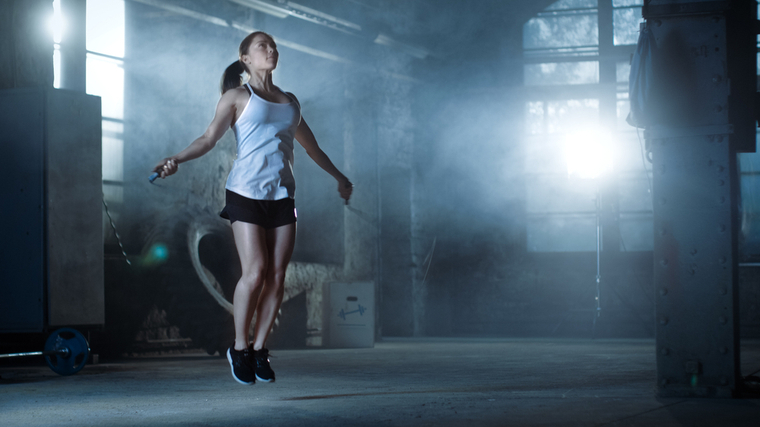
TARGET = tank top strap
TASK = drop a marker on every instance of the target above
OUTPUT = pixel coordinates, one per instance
(248, 88)
(295, 101)
(293, 98)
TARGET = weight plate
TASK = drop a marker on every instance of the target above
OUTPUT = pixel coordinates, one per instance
(67, 362)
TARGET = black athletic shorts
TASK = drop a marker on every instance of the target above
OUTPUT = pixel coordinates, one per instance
(266, 213)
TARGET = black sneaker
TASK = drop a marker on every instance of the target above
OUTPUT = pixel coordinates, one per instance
(241, 366)
(260, 362)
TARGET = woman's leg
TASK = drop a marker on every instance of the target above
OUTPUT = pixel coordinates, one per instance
(251, 243)
(280, 242)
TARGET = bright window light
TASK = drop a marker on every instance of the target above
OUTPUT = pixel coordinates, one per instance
(57, 66)
(57, 24)
(105, 27)
(113, 150)
(105, 78)
(588, 153)
(105, 31)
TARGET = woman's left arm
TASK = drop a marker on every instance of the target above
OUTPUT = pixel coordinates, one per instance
(306, 138)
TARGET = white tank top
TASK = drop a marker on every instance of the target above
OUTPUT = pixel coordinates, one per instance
(263, 169)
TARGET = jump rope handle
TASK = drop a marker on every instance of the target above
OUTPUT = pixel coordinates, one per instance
(153, 177)
(348, 185)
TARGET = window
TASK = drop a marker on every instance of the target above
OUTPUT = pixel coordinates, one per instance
(105, 78)
(576, 86)
(626, 16)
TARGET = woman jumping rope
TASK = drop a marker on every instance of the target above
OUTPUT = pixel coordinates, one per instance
(260, 192)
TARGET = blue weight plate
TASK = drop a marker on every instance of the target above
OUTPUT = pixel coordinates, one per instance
(79, 351)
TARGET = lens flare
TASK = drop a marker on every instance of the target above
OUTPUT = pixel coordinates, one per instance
(159, 251)
(156, 255)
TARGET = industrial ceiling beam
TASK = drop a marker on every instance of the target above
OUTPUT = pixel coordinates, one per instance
(283, 9)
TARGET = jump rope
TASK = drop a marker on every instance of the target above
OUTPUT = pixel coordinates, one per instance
(363, 215)
(152, 180)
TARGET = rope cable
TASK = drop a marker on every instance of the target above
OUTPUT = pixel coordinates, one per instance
(116, 233)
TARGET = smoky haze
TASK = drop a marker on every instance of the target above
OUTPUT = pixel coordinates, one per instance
(433, 145)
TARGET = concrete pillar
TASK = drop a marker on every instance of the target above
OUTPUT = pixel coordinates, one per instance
(423, 247)
(395, 139)
(26, 44)
(360, 165)
(361, 218)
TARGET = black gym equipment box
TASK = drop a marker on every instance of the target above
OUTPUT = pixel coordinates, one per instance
(51, 230)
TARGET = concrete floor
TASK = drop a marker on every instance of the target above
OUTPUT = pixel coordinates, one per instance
(401, 382)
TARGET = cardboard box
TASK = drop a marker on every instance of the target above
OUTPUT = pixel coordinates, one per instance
(350, 315)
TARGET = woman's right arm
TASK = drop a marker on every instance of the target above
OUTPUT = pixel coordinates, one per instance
(225, 113)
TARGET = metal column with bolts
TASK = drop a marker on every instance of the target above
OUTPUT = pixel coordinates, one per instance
(704, 72)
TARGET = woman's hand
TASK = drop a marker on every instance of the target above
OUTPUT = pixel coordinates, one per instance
(306, 138)
(225, 113)
(166, 167)
(345, 188)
